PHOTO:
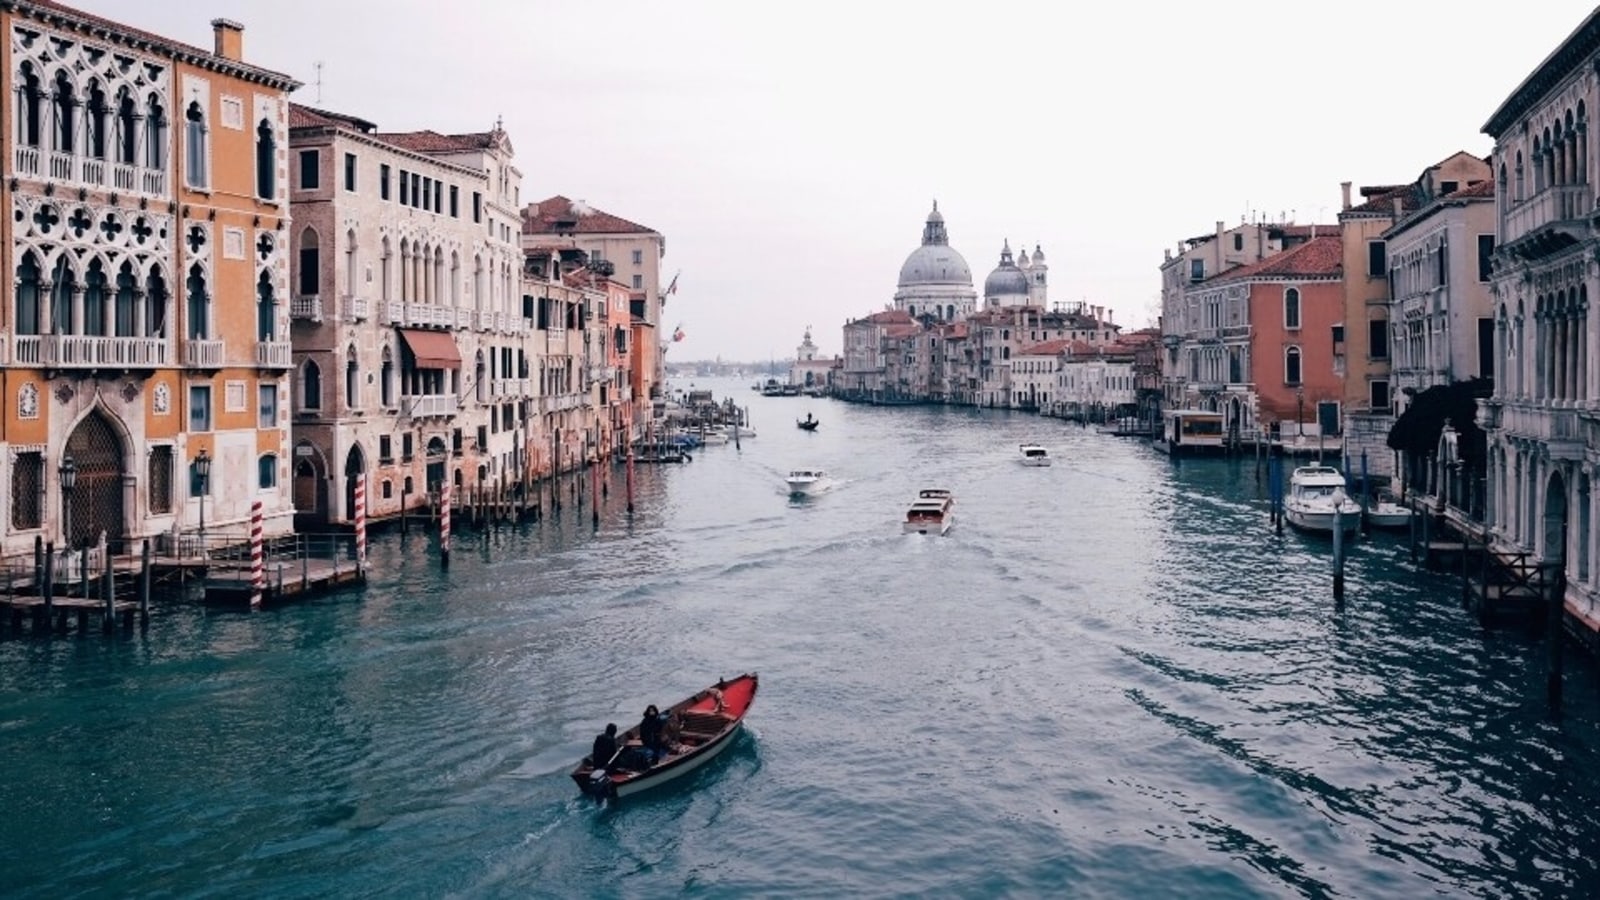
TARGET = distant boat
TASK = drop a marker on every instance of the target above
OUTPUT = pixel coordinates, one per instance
(1034, 455)
(697, 730)
(806, 482)
(808, 423)
(933, 512)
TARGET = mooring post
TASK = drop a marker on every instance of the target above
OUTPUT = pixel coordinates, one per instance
(1557, 636)
(38, 560)
(1338, 549)
(1366, 497)
(1277, 489)
(629, 476)
(444, 528)
(1412, 529)
(1466, 573)
(48, 583)
(110, 591)
(144, 583)
(1427, 540)
(594, 496)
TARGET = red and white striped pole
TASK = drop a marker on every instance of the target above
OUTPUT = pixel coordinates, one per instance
(444, 525)
(258, 575)
(361, 522)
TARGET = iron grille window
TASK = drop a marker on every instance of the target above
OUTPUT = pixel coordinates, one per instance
(405, 447)
(160, 479)
(385, 449)
(27, 488)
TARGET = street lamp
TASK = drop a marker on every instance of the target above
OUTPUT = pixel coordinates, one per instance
(69, 480)
(202, 471)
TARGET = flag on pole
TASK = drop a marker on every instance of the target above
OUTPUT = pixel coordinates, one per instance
(677, 333)
(673, 287)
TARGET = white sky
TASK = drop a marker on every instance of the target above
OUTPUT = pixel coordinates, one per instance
(789, 152)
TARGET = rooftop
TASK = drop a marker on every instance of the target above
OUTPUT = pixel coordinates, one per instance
(1320, 257)
(559, 215)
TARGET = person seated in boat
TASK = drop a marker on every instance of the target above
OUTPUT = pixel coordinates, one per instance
(605, 748)
(650, 736)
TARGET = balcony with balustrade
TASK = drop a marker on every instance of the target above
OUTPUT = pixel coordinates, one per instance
(419, 406)
(88, 171)
(1560, 430)
(274, 355)
(199, 354)
(357, 309)
(1555, 218)
(83, 351)
(509, 387)
(306, 308)
(395, 312)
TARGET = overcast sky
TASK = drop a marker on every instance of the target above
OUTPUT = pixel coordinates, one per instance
(790, 152)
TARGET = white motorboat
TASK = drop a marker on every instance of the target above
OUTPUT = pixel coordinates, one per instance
(806, 482)
(1389, 514)
(1034, 455)
(714, 437)
(744, 433)
(1317, 497)
(933, 512)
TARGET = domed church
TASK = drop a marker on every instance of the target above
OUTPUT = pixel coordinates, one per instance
(1021, 282)
(935, 280)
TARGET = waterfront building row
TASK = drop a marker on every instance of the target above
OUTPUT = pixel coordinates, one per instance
(221, 298)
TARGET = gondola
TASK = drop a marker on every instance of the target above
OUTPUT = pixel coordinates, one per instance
(808, 423)
(697, 731)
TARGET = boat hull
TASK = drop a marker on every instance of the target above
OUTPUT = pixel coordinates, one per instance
(1320, 519)
(706, 754)
(1036, 462)
(941, 527)
(1398, 518)
(805, 488)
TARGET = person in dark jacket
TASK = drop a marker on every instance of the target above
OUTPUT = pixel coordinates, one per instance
(605, 747)
(650, 733)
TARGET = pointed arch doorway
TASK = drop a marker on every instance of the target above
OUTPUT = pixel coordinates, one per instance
(310, 489)
(97, 501)
(354, 465)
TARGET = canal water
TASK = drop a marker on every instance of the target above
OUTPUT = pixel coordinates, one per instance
(1111, 679)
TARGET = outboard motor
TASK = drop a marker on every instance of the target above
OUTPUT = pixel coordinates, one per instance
(600, 786)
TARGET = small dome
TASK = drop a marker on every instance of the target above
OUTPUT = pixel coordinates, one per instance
(1038, 255)
(1006, 280)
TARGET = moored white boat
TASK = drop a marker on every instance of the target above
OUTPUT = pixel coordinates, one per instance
(1317, 498)
(698, 730)
(933, 512)
(1034, 455)
(1389, 514)
(806, 482)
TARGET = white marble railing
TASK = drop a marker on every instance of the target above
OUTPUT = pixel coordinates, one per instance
(27, 160)
(274, 354)
(81, 351)
(398, 313)
(306, 308)
(357, 309)
(419, 405)
(1539, 422)
(88, 170)
(1555, 204)
(485, 320)
(509, 387)
(203, 354)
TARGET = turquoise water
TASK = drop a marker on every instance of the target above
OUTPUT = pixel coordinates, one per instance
(1111, 679)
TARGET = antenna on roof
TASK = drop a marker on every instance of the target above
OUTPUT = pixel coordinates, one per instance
(318, 67)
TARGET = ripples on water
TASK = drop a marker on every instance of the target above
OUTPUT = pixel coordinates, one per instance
(1111, 679)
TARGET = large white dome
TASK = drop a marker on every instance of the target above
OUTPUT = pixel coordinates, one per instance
(935, 262)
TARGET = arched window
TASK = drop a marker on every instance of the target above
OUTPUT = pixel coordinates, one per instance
(351, 263)
(455, 278)
(28, 319)
(477, 282)
(266, 309)
(65, 109)
(267, 472)
(30, 95)
(383, 271)
(194, 147)
(352, 380)
(1291, 365)
(310, 263)
(266, 162)
(311, 386)
(1291, 308)
(386, 379)
(1518, 194)
(199, 304)
(155, 136)
(63, 291)
(155, 305)
(94, 299)
(127, 301)
(127, 129)
(480, 379)
(99, 115)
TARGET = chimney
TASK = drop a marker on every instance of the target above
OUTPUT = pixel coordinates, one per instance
(229, 39)
(1216, 251)
(1344, 188)
(1399, 208)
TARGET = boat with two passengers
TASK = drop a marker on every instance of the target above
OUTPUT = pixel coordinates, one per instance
(697, 730)
(806, 482)
(933, 512)
(1034, 455)
(1317, 498)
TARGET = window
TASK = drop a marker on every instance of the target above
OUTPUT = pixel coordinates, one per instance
(427, 195)
(200, 407)
(1378, 339)
(1338, 335)
(638, 282)
(311, 386)
(1447, 187)
(266, 162)
(352, 381)
(638, 257)
(438, 196)
(416, 189)
(1485, 346)
(267, 406)
(383, 181)
(310, 170)
(477, 207)
(1442, 261)
(1291, 365)
(234, 397)
(1485, 256)
(405, 446)
(27, 488)
(350, 171)
(405, 188)
(385, 448)
(1377, 259)
(266, 309)
(1238, 241)
(1378, 394)
(155, 139)
(310, 264)
(1291, 308)
(267, 472)
(160, 478)
(199, 306)
(194, 146)
(455, 202)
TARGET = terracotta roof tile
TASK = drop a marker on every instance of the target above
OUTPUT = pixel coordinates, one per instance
(1320, 257)
(558, 215)
(1381, 199)
(1047, 348)
(889, 317)
(429, 141)
(1484, 188)
(306, 117)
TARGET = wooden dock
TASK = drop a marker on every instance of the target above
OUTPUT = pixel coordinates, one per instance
(292, 566)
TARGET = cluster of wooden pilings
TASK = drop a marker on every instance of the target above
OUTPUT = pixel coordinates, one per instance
(59, 588)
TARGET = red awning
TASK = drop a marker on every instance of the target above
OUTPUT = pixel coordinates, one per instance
(433, 349)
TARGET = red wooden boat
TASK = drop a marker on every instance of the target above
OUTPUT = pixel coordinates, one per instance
(697, 731)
